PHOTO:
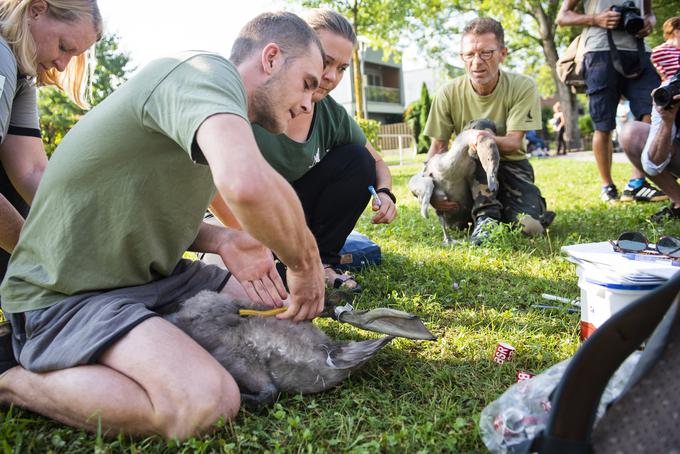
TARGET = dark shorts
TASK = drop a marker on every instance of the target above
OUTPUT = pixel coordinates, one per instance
(80, 328)
(605, 87)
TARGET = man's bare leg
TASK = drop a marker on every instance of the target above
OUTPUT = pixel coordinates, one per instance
(602, 149)
(637, 170)
(154, 380)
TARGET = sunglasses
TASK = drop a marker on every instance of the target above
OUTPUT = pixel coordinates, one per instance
(637, 242)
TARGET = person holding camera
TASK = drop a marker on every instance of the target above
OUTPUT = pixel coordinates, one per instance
(616, 63)
(655, 148)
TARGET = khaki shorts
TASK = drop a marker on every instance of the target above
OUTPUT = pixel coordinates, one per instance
(79, 329)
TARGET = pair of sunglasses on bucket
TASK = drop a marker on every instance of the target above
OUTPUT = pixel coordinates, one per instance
(637, 242)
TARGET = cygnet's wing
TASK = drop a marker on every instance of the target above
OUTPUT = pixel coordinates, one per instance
(353, 354)
(388, 321)
(422, 187)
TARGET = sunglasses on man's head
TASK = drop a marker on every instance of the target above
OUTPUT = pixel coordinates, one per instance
(637, 242)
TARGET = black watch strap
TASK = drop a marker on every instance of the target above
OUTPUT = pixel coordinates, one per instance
(389, 194)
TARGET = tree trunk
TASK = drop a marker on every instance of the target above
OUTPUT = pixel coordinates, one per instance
(568, 102)
(358, 83)
(356, 65)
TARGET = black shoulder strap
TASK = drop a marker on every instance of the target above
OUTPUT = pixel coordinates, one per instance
(616, 57)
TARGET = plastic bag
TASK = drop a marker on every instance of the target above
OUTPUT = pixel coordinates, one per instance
(523, 410)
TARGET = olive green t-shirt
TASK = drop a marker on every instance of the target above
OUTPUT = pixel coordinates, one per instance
(122, 198)
(514, 105)
(331, 127)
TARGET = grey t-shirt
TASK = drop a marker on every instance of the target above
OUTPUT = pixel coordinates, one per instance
(596, 37)
(18, 99)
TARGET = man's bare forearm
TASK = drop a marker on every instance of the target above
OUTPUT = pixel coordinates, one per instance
(273, 215)
(509, 144)
(572, 18)
(437, 146)
(661, 143)
(264, 204)
(209, 238)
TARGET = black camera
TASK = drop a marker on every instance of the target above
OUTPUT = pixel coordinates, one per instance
(631, 20)
(663, 96)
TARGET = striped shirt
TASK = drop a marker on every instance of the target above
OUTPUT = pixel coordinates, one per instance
(665, 59)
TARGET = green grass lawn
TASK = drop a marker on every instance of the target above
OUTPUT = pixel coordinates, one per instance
(419, 396)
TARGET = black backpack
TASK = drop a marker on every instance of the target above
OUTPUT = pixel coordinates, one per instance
(646, 416)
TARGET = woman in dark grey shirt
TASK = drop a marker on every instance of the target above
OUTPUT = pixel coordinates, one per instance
(42, 42)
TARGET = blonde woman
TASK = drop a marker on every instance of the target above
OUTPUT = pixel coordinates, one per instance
(559, 124)
(42, 42)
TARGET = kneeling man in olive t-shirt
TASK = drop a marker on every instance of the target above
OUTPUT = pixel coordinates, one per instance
(512, 102)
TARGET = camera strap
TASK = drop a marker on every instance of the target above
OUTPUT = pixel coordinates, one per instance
(616, 57)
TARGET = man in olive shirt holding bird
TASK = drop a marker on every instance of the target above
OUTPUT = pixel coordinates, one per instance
(512, 102)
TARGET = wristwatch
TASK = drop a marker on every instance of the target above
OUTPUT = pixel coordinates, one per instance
(389, 194)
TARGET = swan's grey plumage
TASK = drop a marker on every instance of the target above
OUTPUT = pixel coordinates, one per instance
(451, 174)
(265, 355)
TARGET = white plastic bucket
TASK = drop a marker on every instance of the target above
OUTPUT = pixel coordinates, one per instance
(599, 300)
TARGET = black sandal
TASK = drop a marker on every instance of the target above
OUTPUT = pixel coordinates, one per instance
(7, 360)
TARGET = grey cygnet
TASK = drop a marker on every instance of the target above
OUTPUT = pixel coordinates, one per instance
(265, 355)
(451, 175)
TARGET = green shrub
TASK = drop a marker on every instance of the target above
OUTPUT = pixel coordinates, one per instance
(416, 116)
(585, 124)
(371, 130)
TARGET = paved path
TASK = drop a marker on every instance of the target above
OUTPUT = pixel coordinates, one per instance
(589, 157)
(584, 156)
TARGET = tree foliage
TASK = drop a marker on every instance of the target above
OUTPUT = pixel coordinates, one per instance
(58, 114)
(416, 117)
(371, 129)
(663, 10)
(383, 24)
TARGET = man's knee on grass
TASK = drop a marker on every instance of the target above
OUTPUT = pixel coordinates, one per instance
(198, 407)
(632, 139)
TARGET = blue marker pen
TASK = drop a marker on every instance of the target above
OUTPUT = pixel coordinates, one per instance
(371, 189)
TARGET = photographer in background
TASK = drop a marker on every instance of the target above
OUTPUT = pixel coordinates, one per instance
(655, 148)
(616, 63)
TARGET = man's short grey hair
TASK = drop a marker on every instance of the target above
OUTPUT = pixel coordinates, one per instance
(285, 29)
(483, 25)
(332, 21)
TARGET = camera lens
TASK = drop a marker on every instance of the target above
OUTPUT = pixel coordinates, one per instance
(662, 97)
(633, 23)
